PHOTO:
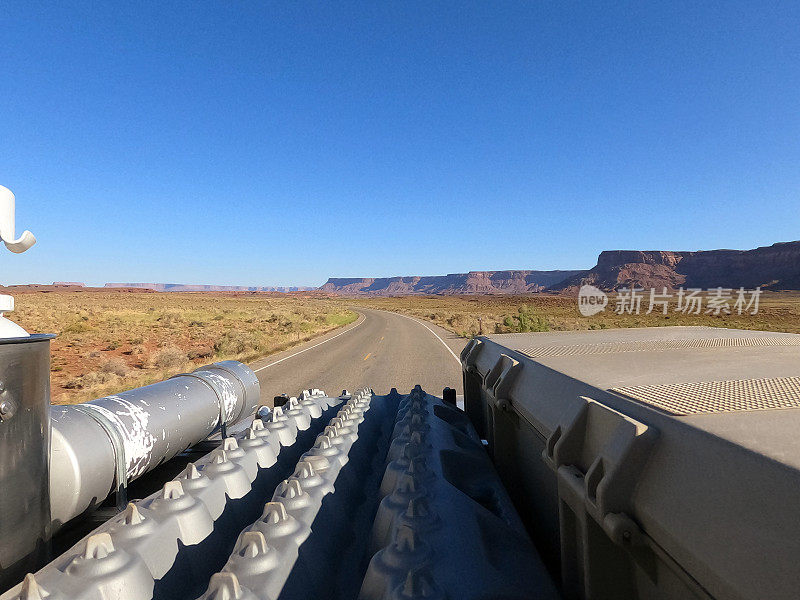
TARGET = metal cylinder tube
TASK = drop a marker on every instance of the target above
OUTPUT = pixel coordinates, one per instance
(126, 435)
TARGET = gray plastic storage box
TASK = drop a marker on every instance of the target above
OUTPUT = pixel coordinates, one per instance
(649, 463)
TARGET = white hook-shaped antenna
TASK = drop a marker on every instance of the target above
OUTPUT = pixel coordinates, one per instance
(9, 329)
(7, 217)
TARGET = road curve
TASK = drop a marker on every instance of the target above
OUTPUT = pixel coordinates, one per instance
(380, 350)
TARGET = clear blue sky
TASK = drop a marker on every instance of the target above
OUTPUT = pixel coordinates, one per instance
(256, 143)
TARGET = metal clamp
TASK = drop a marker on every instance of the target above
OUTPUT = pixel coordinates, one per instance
(118, 445)
(244, 377)
(223, 414)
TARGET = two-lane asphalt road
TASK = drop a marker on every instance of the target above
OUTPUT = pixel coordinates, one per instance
(380, 350)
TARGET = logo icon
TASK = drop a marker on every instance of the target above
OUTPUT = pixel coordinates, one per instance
(591, 300)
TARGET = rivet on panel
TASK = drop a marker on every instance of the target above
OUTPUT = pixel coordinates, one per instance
(323, 442)
(98, 545)
(406, 539)
(31, 590)
(252, 544)
(191, 472)
(172, 490)
(419, 584)
(418, 507)
(406, 483)
(304, 470)
(132, 515)
(224, 586)
(274, 512)
(289, 488)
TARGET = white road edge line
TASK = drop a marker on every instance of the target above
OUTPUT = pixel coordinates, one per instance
(449, 349)
(364, 318)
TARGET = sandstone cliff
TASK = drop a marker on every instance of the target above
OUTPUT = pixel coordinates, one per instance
(775, 267)
(474, 282)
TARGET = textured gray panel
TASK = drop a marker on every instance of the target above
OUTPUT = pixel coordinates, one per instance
(707, 397)
(267, 551)
(658, 346)
(445, 527)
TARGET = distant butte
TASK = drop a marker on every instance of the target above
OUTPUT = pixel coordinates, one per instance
(474, 282)
(180, 287)
(775, 267)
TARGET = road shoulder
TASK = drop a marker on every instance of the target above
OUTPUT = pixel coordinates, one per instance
(273, 359)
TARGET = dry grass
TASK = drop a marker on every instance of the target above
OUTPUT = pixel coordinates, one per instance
(109, 341)
(778, 311)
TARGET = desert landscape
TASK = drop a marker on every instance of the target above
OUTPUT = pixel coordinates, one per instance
(110, 340)
(467, 316)
(121, 336)
(392, 300)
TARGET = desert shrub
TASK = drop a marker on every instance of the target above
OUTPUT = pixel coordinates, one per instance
(73, 383)
(167, 358)
(231, 343)
(78, 326)
(115, 366)
(200, 352)
(170, 318)
(525, 320)
(89, 380)
(236, 343)
(465, 325)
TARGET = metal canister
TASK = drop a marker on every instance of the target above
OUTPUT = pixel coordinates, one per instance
(24, 455)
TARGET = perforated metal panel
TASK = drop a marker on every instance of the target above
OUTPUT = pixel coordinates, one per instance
(658, 346)
(707, 397)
